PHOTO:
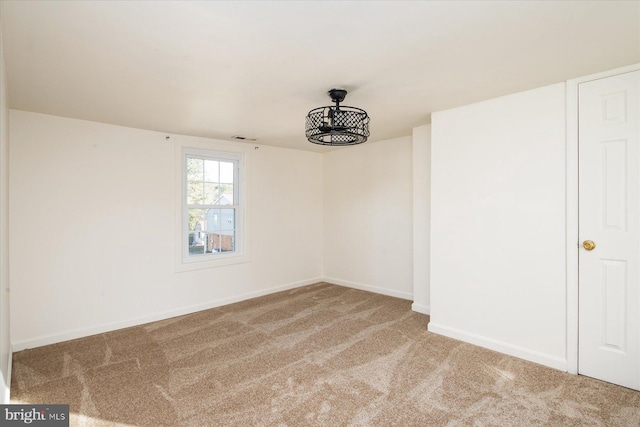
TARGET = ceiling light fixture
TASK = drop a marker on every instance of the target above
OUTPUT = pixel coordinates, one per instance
(337, 125)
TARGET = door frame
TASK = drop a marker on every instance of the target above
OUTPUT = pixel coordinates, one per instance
(572, 236)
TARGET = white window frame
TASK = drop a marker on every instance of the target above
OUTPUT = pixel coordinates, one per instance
(218, 150)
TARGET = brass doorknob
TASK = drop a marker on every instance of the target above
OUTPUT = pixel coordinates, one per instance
(589, 245)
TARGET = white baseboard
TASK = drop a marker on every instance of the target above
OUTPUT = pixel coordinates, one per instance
(499, 346)
(84, 332)
(421, 308)
(374, 289)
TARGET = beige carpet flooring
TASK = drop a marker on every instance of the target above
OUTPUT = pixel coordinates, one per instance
(321, 355)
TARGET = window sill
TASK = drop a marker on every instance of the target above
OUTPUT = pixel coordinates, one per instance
(211, 262)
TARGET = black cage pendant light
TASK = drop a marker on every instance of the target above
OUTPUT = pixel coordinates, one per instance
(337, 125)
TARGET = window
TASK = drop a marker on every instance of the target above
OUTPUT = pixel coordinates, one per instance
(212, 206)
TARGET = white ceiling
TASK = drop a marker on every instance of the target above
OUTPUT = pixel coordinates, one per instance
(255, 69)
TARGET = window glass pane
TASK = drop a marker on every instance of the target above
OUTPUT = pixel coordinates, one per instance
(197, 234)
(211, 171)
(221, 242)
(227, 219)
(211, 194)
(213, 220)
(227, 241)
(226, 172)
(194, 192)
(194, 169)
(226, 196)
(194, 180)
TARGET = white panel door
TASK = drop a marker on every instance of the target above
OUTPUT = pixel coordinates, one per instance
(609, 197)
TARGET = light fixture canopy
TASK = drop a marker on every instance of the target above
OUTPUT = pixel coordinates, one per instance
(337, 125)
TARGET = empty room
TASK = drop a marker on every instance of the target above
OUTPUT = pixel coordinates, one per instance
(319, 213)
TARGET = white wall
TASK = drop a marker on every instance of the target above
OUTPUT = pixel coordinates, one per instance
(5, 345)
(421, 155)
(368, 217)
(498, 224)
(92, 220)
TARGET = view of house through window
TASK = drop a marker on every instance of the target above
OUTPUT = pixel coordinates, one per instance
(211, 204)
